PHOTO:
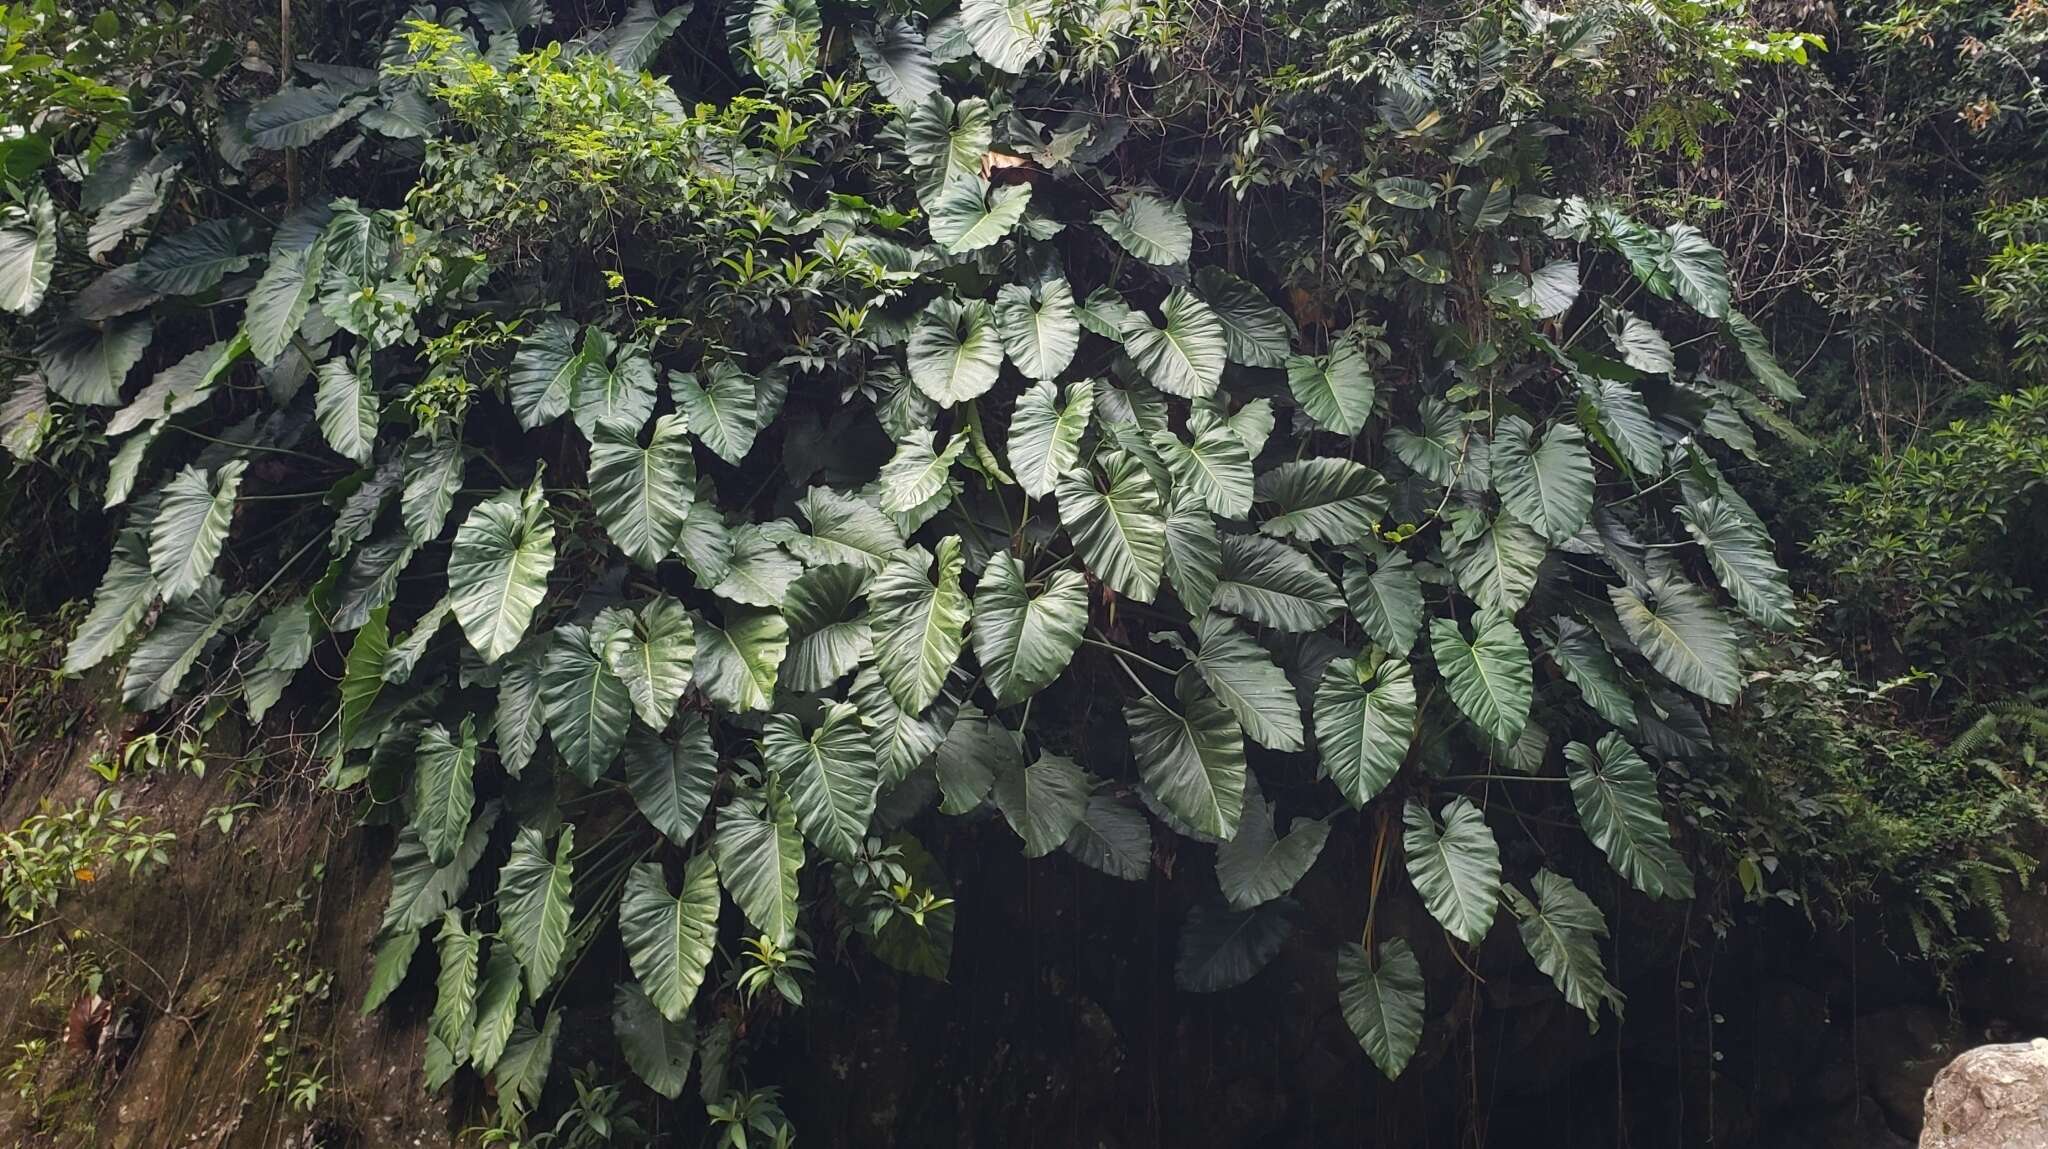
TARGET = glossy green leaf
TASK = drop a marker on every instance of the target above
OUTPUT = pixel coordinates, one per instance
(1273, 584)
(955, 351)
(722, 404)
(919, 621)
(759, 856)
(1150, 228)
(968, 214)
(498, 570)
(657, 1049)
(1365, 721)
(1259, 864)
(1547, 482)
(1186, 356)
(1616, 795)
(1214, 467)
(830, 773)
(669, 939)
(1386, 599)
(1043, 802)
(1326, 500)
(1010, 34)
(191, 523)
(1561, 930)
(1336, 390)
(671, 776)
(1455, 866)
(1192, 758)
(1119, 528)
(1221, 948)
(1254, 330)
(738, 664)
(1025, 641)
(444, 788)
(828, 627)
(1382, 1002)
(1489, 677)
(641, 494)
(1683, 635)
(534, 907)
(1045, 437)
(1040, 330)
(587, 707)
(1242, 675)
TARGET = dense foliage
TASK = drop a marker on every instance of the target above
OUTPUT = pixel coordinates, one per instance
(668, 499)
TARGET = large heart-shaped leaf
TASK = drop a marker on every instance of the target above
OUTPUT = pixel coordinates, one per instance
(1587, 664)
(1489, 677)
(296, 117)
(657, 1049)
(123, 597)
(1112, 838)
(497, 1008)
(1120, 529)
(633, 42)
(191, 523)
(919, 622)
(1243, 676)
(916, 473)
(544, 372)
(1387, 601)
(671, 776)
(588, 710)
(1254, 330)
(1043, 802)
(652, 653)
(828, 629)
(722, 404)
(759, 855)
(955, 352)
(163, 657)
(1045, 437)
(614, 386)
(422, 891)
(1619, 411)
(498, 569)
(1382, 1002)
(903, 740)
(88, 364)
(1214, 468)
(830, 774)
(1194, 552)
(641, 494)
(1186, 356)
(198, 258)
(1222, 948)
(1548, 483)
(968, 214)
(1561, 930)
(1365, 720)
(1336, 390)
(1498, 566)
(433, 477)
(277, 304)
(894, 56)
(849, 529)
(1150, 228)
(1274, 585)
(944, 139)
(669, 939)
(1259, 864)
(455, 985)
(1023, 641)
(444, 788)
(28, 252)
(738, 664)
(1699, 271)
(1326, 500)
(1009, 34)
(1193, 758)
(1616, 795)
(1683, 635)
(522, 718)
(1455, 867)
(1740, 553)
(534, 905)
(1041, 332)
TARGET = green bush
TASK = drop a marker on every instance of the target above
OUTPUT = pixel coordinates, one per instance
(644, 488)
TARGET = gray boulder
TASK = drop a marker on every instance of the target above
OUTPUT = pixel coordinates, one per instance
(1990, 1097)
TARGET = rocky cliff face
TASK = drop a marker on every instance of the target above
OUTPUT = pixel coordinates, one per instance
(1057, 1026)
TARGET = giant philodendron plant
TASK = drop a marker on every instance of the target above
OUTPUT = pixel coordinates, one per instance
(740, 479)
